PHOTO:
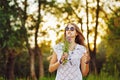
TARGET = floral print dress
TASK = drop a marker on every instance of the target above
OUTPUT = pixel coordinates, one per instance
(71, 69)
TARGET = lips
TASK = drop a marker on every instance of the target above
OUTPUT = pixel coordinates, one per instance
(68, 38)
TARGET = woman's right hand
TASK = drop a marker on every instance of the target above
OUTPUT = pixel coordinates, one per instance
(64, 56)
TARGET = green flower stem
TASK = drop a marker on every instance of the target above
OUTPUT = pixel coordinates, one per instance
(65, 49)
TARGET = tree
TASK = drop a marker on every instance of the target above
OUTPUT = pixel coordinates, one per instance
(23, 18)
(112, 49)
(37, 48)
(10, 37)
(93, 53)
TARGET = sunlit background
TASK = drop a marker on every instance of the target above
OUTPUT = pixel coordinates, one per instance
(25, 55)
(51, 21)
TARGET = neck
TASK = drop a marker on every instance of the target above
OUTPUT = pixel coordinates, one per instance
(72, 45)
(72, 41)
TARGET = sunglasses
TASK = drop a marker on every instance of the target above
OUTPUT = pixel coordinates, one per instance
(71, 28)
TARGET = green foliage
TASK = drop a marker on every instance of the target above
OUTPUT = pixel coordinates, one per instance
(22, 65)
(114, 27)
(66, 46)
(101, 76)
(47, 78)
(111, 47)
(10, 35)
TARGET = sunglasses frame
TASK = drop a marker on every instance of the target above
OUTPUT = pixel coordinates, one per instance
(69, 29)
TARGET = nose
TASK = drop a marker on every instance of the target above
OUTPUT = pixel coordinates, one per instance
(69, 33)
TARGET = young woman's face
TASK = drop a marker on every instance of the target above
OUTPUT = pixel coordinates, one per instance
(70, 31)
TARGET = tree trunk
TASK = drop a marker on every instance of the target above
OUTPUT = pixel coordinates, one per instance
(10, 65)
(93, 57)
(41, 67)
(37, 49)
(32, 65)
(87, 25)
(92, 52)
(23, 17)
(40, 58)
(93, 66)
(31, 53)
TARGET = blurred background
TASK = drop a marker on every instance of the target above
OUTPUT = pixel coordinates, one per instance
(30, 28)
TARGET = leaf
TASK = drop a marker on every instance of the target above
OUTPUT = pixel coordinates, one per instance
(66, 46)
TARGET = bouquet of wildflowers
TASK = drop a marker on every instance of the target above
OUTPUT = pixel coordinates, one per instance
(66, 47)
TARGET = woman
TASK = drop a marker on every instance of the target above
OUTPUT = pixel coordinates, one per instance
(77, 64)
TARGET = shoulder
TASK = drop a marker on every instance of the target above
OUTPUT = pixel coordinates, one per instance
(81, 48)
(58, 50)
(59, 45)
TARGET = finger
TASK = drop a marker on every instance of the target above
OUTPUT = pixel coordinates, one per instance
(62, 58)
(65, 53)
(85, 57)
(86, 54)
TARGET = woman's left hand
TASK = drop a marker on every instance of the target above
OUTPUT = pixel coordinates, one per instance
(86, 58)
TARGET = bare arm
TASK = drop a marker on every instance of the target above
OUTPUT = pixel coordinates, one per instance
(84, 65)
(54, 63)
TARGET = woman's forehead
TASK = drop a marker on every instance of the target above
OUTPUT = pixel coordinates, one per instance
(70, 25)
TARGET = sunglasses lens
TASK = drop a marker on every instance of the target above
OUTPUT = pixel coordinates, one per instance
(67, 28)
(72, 28)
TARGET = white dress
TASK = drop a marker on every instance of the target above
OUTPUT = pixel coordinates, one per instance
(71, 69)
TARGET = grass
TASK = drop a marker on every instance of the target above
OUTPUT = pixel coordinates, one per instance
(101, 76)
(49, 77)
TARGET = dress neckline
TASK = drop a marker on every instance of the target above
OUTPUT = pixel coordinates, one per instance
(74, 47)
